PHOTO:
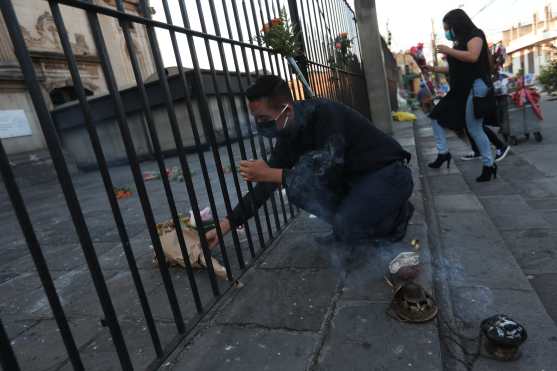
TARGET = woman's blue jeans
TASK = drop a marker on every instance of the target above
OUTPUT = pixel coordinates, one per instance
(474, 126)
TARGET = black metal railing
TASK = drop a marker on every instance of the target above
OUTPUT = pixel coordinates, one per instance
(220, 56)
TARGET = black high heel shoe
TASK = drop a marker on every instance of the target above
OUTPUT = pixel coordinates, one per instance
(440, 160)
(487, 173)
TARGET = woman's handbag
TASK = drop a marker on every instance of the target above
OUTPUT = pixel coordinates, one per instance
(484, 106)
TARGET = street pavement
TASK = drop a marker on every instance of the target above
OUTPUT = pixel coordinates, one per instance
(303, 307)
(496, 244)
(485, 249)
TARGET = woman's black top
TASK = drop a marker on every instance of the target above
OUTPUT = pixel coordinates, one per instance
(450, 111)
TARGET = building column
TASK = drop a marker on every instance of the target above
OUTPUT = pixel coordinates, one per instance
(374, 65)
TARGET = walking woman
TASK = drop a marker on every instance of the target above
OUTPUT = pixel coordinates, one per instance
(469, 77)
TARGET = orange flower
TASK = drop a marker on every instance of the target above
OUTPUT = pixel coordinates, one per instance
(266, 28)
(276, 22)
(344, 35)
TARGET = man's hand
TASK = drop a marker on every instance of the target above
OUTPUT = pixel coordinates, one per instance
(212, 236)
(428, 68)
(444, 49)
(255, 171)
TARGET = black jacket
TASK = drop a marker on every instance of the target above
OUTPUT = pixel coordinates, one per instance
(344, 143)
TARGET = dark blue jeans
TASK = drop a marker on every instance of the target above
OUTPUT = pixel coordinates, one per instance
(369, 206)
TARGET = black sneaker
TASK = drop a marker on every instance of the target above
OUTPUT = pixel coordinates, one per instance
(500, 154)
(471, 156)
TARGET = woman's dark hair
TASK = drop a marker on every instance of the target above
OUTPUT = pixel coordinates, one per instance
(460, 23)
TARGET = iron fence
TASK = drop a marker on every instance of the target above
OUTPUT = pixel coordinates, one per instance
(224, 40)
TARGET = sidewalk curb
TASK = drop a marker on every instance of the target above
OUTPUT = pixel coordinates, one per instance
(450, 352)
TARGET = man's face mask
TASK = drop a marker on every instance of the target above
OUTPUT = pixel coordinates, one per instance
(269, 128)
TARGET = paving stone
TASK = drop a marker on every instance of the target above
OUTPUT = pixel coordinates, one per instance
(299, 250)
(62, 257)
(466, 238)
(496, 187)
(283, 299)
(456, 203)
(364, 337)
(534, 249)
(158, 296)
(543, 158)
(21, 293)
(537, 188)
(447, 184)
(551, 217)
(546, 287)
(41, 346)
(543, 204)
(232, 348)
(100, 353)
(512, 212)
(307, 223)
(517, 174)
(14, 326)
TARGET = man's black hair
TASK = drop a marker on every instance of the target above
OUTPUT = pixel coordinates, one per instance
(272, 88)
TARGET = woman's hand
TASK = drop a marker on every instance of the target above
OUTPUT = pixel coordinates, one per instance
(428, 68)
(443, 49)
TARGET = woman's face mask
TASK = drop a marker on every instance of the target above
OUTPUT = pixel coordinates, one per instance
(449, 34)
(269, 128)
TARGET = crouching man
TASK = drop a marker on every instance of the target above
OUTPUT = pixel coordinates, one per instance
(332, 162)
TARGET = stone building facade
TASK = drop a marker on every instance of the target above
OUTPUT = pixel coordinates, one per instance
(42, 40)
(530, 46)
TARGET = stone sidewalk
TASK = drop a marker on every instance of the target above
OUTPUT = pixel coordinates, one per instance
(296, 310)
(494, 249)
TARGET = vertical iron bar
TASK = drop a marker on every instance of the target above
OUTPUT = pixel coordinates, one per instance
(334, 73)
(281, 200)
(319, 77)
(125, 133)
(243, 151)
(7, 356)
(41, 266)
(269, 141)
(249, 80)
(176, 133)
(337, 23)
(289, 80)
(105, 174)
(262, 141)
(224, 123)
(153, 135)
(207, 120)
(349, 78)
(208, 129)
(321, 71)
(235, 113)
(257, 74)
(336, 31)
(64, 178)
